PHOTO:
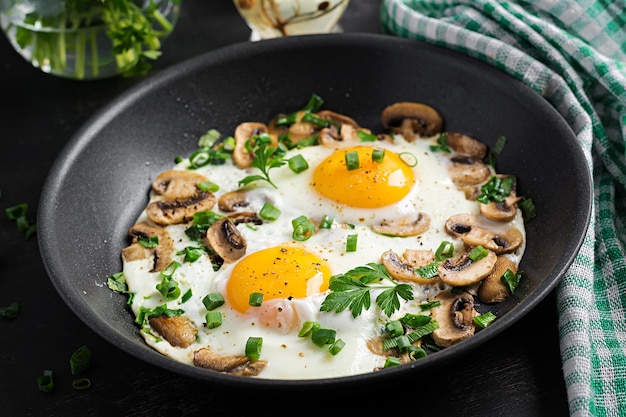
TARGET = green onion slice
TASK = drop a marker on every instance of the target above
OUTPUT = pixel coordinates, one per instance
(253, 347)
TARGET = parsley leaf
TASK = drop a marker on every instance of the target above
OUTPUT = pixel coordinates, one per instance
(266, 158)
(352, 291)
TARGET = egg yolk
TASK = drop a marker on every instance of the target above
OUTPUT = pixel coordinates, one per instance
(373, 184)
(282, 272)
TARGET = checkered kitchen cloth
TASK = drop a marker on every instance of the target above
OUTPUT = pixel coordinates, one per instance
(574, 54)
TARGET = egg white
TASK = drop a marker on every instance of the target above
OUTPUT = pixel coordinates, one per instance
(289, 356)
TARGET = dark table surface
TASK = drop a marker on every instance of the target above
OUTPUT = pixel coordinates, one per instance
(518, 373)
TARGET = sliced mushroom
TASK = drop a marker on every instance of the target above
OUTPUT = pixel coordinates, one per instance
(248, 217)
(226, 240)
(475, 230)
(375, 345)
(461, 271)
(244, 131)
(406, 226)
(455, 316)
(179, 331)
(466, 171)
(466, 145)
(492, 289)
(338, 118)
(504, 211)
(172, 184)
(233, 200)
(179, 210)
(412, 120)
(404, 269)
(231, 364)
(162, 253)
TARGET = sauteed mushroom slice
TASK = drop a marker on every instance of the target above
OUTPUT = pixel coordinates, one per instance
(233, 200)
(504, 211)
(243, 132)
(174, 183)
(412, 120)
(455, 316)
(407, 226)
(492, 289)
(461, 271)
(466, 145)
(405, 268)
(179, 210)
(177, 330)
(226, 240)
(475, 230)
(466, 171)
(231, 364)
(162, 253)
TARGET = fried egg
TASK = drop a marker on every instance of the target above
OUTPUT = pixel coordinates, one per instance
(292, 276)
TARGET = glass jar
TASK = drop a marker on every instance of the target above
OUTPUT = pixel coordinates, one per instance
(86, 39)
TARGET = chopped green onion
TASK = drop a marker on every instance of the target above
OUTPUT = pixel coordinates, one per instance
(117, 282)
(213, 300)
(208, 186)
(321, 336)
(255, 299)
(186, 296)
(484, 320)
(17, 211)
(351, 243)
(11, 311)
(352, 160)
(495, 151)
(391, 361)
(496, 189)
(169, 289)
(408, 158)
(213, 319)
(81, 384)
(378, 155)
(527, 206)
(307, 328)
(269, 212)
(303, 228)
(149, 242)
(427, 271)
(394, 328)
(298, 164)
(364, 136)
(326, 222)
(80, 360)
(46, 381)
(416, 352)
(336, 346)
(209, 138)
(429, 305)
(511, 279)
(316, 120)
(478, 253)
(403, 342)
(314, 104)
(444, 251)
(286, 120)
(415, 320)
(253, 347)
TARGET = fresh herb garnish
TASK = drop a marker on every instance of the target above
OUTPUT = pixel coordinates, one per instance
(19, 213)
(266, 158)
(352, 290)
(496, 189)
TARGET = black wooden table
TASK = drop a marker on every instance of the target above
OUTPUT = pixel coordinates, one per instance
(516, 374)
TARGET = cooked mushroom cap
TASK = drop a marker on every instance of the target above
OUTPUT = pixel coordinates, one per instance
(475, 230)
(162, 253)
(404, 227)
(172, 184)
(492, 289)
(232, 364)
(412, 120)
(179, 210)
(466, 145)
(233, 200)
(177, 330)
(243, 132)
(455, 316)
(405, 269)
(466, 171)
(462, 271)
(504, 211)
(226, 240)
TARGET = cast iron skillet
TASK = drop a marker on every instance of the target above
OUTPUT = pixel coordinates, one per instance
(100, 181)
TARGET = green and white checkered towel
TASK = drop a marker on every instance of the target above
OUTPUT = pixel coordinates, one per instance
(573, 53)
